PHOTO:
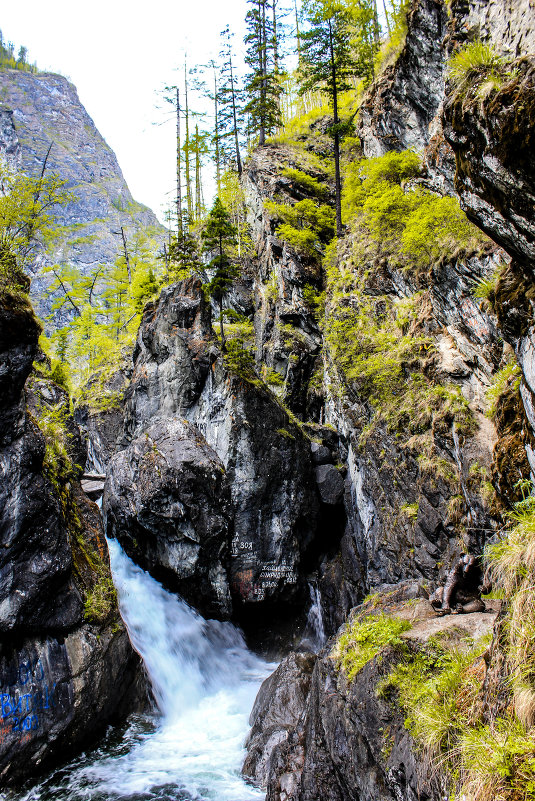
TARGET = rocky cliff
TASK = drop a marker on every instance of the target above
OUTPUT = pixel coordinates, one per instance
(66, 664)
(42, 111)
(353, 736)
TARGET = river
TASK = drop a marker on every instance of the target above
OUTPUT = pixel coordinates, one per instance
(204, 681)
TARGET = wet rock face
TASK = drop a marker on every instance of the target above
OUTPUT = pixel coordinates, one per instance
(62, 678)
(402, 518)
(493, 143)
(36, 590)
(398, 111)
(346, 741)
(277, 711)
(60, 693)
(269, 472)
(288, 339)
(508, 24)
(102, 427)
(166, 503)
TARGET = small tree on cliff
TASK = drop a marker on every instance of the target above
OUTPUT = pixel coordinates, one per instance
(27, 225)
(326, 62)
(219, 236)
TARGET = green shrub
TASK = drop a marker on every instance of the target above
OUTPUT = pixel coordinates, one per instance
(101, 600)
(304, 225)
(508, 377)
(413, 228)
(315, 301)
(363, 639)
(302, 240)
(474, 60)
(305, 181)
(241, 361)
(436, 687)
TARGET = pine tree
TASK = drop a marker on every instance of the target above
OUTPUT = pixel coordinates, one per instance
(327, 63)
(184, 257)
(230, 98)
(263, 87)
(219, 236)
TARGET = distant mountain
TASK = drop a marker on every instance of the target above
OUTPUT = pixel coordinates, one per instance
(43, 109)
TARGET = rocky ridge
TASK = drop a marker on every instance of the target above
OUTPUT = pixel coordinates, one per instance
(42, 111)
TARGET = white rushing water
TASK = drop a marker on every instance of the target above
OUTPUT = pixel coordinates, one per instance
(315, 637)
(204, 681)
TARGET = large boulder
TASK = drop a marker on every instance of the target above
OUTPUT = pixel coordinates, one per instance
(271, 479)
(277, 711)
(238, 475)
(166, 502)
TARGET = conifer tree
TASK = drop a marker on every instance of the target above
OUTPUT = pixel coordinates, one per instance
(327, 62)
(219, 236)
(263, 86)
(184, 254)
(230, 98)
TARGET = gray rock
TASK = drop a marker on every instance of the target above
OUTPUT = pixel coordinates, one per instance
(320, 454)
(398, 111)
(166, 502)
(330, 484)
(277, 710)
(180, 373)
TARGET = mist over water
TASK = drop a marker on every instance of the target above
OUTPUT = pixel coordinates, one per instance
(204, 682)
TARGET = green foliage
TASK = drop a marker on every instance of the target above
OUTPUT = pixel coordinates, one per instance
(337, 44)
(101, 600)
(272, 377)
(302, 240)
(507, 378)
(184, 259)
(103, 310)
(240, 361)
(476, 63)
(263, 87)
(315, 301)
(305, 225)
(57, 464)
(498, 762)
(305, 181)
(8, 60)
(394, 43)
(410, 510)
(436, 687)
(415, 228)
(363, 639)
(435, 227)
(26, 223)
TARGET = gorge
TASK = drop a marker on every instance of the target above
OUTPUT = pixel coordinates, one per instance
(304, 501)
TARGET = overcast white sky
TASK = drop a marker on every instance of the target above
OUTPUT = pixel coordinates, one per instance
(119, 54)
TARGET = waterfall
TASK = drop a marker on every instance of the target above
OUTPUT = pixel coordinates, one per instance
(314, 636)
(204, 682)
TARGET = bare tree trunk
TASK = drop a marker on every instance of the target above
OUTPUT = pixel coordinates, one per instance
(221, 329)
(178, 166)
(189, 199)
(234, 117)
(216, 137)
(126, 256)
(337, 179)
(386, 18)
(263, 70)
